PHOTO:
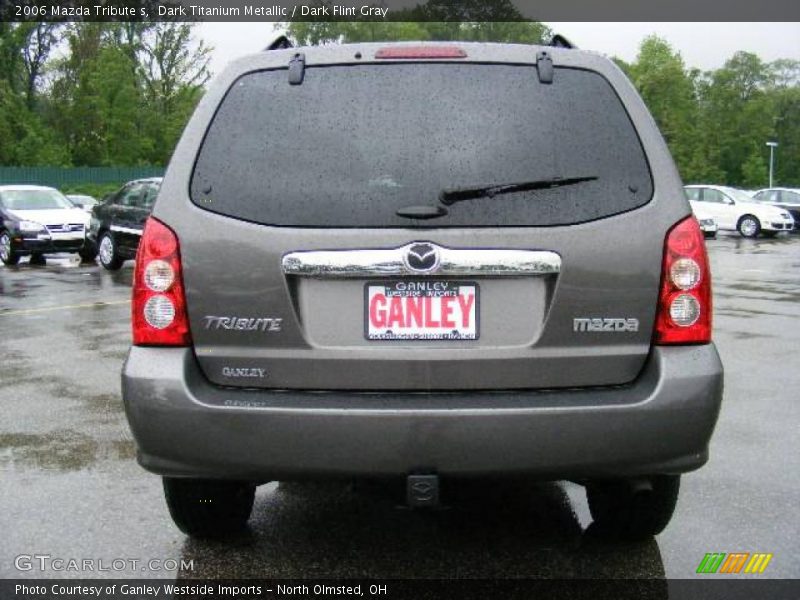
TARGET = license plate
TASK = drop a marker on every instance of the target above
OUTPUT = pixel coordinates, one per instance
(421, 310)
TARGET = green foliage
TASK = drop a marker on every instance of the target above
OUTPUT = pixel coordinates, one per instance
(664, 84)
(754, 170)
(120, 96)
(95, 190)
(717, 123)
(33, 142)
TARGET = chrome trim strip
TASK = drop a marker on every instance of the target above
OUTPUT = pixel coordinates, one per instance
(452, 262)
(130, 230)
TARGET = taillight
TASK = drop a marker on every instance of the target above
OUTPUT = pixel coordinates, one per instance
(684, 300)
(159, 305)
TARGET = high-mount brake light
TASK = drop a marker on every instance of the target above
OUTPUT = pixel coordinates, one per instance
(159, 304)
(684, 301)
(413, 52)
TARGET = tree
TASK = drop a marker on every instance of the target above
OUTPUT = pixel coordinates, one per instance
(738, 113)
(754, 169)
(669, 92)
(26, 140)
(40, 39)
(124, 92)
(171, 63)
(716, 123)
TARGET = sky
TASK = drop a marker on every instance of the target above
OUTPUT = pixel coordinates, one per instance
(704, 46)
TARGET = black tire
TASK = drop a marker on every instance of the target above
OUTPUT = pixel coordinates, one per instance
(38, 259)
(749, 226)
(208, 508)
(621, 511)
(7, 255)
(109, 256)
(88, 253)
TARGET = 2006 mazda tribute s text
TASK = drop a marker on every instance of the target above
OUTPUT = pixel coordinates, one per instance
(422, 261)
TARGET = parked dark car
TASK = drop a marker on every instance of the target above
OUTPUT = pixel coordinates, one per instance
(117, 222)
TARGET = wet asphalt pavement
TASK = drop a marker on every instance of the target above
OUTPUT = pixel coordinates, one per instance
(71, 487)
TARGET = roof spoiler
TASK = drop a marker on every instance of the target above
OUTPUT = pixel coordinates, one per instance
(559, 41)
(280, 43)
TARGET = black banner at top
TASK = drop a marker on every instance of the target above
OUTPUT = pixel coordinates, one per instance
(400, 10)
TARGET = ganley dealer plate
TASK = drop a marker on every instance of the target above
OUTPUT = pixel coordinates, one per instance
(421, 310)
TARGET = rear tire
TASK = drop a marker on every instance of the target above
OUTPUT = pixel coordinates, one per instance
(620, 511)
(38, 259)
(7, 254)
(749, 226)
(208, 508)
(109, 255)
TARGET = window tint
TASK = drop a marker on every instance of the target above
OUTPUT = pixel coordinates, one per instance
(790, 197)
(715, 196)
(33, 199)
(149, 194)
(692, 193)
(130, 196)
(353, 144)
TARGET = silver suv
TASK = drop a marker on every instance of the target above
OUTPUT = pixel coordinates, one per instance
(425, 261)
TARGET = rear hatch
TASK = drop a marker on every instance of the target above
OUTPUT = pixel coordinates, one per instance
(421, 226)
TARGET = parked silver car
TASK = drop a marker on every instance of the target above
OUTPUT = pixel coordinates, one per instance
(425, 261)
(785, 198)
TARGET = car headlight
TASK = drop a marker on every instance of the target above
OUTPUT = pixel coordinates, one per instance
(786, 215)
(30, 226)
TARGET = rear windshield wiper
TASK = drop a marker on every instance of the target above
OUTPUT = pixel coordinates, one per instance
(448, 197)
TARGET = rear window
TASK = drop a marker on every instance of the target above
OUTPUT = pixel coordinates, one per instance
(354, 144)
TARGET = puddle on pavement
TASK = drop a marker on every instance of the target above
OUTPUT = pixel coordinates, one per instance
(60, 450)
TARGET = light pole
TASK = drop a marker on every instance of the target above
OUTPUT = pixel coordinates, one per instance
(772, 146)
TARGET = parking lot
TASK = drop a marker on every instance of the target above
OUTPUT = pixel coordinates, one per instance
(72, 488)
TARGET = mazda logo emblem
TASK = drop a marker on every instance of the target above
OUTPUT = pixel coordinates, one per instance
(422, 257)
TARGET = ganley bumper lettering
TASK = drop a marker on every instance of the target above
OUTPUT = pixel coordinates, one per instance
(244, 372)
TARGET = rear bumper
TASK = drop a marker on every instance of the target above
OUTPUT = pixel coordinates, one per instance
(708, 226)
(185, 426)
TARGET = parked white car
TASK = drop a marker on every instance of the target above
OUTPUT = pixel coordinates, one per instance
(708, 225)
(734, 210)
